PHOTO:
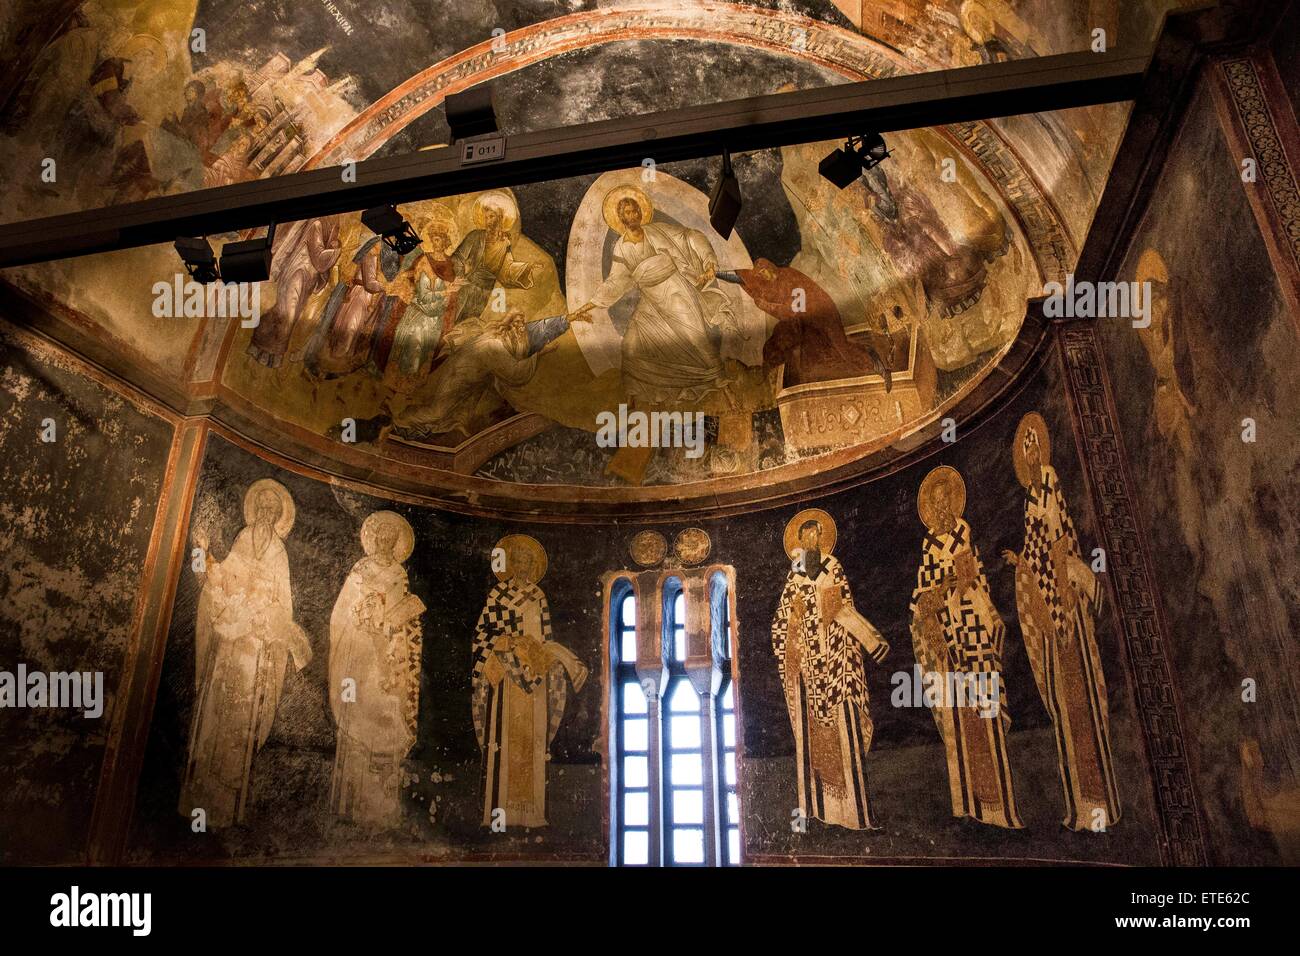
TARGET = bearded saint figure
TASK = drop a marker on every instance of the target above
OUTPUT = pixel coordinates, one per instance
(956, 630)
(521, 682)
(375, 641)
(485, 259)
(244, 637)
(821, 642)
(1058, 597)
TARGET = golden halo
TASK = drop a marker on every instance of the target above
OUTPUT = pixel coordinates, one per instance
(513, 544)
(616, 195)
(405, 543)
(1032, 422)
(977, 21)
(287, 511)
(1151, 267)
(144, 43)
(501, 200)
(943, 475)
(438, 214)
(829, 531)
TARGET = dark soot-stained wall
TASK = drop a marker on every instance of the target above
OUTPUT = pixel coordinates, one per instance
(1219, 511)
(75, 522)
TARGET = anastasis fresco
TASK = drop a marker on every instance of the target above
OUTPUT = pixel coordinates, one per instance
(474, 340)
(830, 321)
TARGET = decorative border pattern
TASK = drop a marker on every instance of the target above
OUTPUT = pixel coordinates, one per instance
(1053, 250)
(1279, 180)
(1181, 840)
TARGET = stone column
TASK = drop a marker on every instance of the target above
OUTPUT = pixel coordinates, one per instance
(706, 677)
(652, 672)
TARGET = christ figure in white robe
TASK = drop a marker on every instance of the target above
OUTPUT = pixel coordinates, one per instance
(671, 352)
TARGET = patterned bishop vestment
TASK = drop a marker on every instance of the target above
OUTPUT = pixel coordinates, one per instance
(957, 631)
(819, 640)
(520, 690)
(1057, 597)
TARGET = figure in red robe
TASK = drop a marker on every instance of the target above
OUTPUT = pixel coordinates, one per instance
(809, 337)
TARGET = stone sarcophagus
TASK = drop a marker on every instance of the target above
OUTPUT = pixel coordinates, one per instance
(818, 416)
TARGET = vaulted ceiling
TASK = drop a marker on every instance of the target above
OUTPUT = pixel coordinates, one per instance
(829, 333)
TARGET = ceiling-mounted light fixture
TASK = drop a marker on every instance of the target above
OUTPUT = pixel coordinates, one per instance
(725, 201)
(843, 166)
(197, 256)
(387, 222)
(248, 260)
(472, 112)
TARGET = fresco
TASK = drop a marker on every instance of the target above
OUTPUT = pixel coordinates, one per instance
(359, 675)
(1192, 390)
(956, 625)
(244, 637)
(968, 762)
(881, 318)
(382, 689)
(125, 108)
(69, 582)
(1072, 149)
(375, 641)
(816, 635)
(1058, 594)
(522, 682)
(477, 726)
(131, 105)
(906, 307)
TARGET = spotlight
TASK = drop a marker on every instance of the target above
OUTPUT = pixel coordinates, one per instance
(471, 113)
(387, 222)
(859, 154)
(724, 203)
(198, 259)
(248, 260)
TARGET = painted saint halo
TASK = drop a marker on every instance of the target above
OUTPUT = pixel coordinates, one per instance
(945, 476)
(615, 196)
(405, 536)
(287, 511)
(518, 545)
(1032, 429)
(829, 531)
(503, 203)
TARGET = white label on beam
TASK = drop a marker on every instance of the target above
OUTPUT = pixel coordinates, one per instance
(483, 150)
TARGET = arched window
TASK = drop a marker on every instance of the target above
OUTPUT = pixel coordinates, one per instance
(674, 768)
(631, 734)
(725, 732)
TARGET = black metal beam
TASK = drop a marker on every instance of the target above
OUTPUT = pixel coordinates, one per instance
(1182, 47)
(781, 119)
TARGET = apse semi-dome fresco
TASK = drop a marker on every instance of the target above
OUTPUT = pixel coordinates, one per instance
(781, 433)
(831, 328)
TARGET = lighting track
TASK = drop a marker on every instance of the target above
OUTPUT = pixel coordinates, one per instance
(911, 101)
